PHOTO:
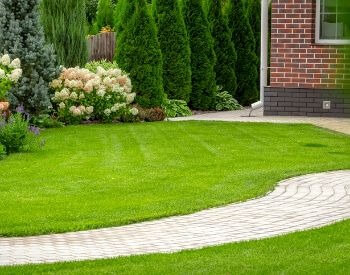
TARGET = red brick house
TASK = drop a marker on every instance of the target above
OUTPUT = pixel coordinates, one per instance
(309, 60)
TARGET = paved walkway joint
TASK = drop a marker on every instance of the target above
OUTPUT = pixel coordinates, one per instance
(296, 204)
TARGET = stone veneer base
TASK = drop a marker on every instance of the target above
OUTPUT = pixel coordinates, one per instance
(306, 102)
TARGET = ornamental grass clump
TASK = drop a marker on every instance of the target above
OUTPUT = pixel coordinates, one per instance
(10, 73)
(104, 95)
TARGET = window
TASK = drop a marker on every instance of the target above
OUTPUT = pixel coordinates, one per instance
(332, 22)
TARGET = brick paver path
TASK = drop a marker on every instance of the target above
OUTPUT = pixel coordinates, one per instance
(296, 204)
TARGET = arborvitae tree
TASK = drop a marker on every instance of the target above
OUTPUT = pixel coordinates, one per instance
(91, 10)
(243, 37)
(254, 15)
(224, 48)
(22, 36)
(139, 54)
(104, 15)
(202, 56)
(175, 49)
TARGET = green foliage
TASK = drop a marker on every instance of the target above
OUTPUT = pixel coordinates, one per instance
(254, 16)
(46, 121)
(14, 133)
(139, 54)
(225, 52)
(91, 10)
(243, 37)
(93, 65)
(21, 36)
(175, 48)
(176, 108)
(104, 15)
(64, 26)
(2, 151)
(224, 101)
(202, 56)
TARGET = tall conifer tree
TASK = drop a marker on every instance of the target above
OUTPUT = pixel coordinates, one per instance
(139, 54)
(243, 37)
(224, 48)
(175, 49)
(202, 56)
(22, 36)
(64, 26)
(104, 15)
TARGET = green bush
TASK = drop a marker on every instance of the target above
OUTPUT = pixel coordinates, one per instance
(104, 15)
(225, 52)
(176, 108)
(64, 24)
(138, 52)
(14, 133)
(45, 121)
(152, 114)
(202, 56)
(175, 48)
(91, 10)
(224, 101)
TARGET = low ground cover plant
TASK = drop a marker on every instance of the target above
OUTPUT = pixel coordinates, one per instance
(82, 94)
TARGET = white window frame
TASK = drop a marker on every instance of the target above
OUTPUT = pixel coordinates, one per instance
(318, 40)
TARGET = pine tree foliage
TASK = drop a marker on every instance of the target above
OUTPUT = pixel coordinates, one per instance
(254, 15)
(175, 49)
(202, 56)
(21, 35)
(243, 37)
(224, 48)
(64, 26)
(139, 54)
(104, 15)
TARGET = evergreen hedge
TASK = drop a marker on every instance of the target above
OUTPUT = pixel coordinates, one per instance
(104, 15)
(22, 36)
(243, 37)
(64, 26)
(202, 56)
(175, 49)
(139, 54)
(225, 52)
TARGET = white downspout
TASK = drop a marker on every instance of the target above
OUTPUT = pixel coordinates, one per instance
(263, 52)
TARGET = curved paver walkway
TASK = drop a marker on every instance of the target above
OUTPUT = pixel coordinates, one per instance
(296, 204)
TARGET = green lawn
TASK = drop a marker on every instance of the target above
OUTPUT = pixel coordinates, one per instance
(107, 175)
(323, 251)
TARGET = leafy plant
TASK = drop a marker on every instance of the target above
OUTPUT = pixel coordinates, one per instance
(45, 121)
(15, 134)
(224, 101)
(106, 65)
(176, 108)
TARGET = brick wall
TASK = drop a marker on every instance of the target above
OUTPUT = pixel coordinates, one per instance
(296, 61)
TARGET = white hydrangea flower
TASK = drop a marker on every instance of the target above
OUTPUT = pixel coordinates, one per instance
(101, 93)
(114, 109)
(62, 105)
(130, 98)
(72, 108)
(81, 96)
(107, 112)
(82, 108)
(2, 74)
(89, 110)
(100, 71)
(73, 96)
(134, 111)
(15, 75)
(5, 60)
(64, 94)
(16, 63)
(57, 83)
(77, 112)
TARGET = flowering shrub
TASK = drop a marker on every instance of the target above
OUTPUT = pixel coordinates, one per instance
(81, 94)
(10, 73)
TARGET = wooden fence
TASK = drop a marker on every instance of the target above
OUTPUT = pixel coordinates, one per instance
(101, 46)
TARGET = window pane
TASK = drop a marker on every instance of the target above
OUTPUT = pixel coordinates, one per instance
(343, 26)
(329, 6)
(328, 26)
